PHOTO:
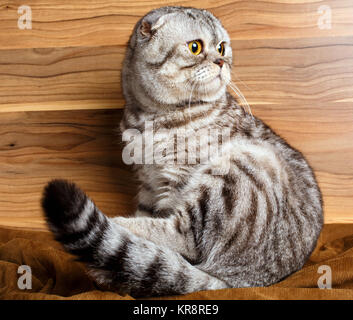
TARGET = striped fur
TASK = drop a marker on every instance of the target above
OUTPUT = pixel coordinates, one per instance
(193, 230)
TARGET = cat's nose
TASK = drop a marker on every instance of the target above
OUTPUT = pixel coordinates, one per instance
(219, 62)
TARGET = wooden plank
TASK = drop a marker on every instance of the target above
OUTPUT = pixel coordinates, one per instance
(271, 72)
(107, 22)
(78, 145)
(63, 105)
(61, 74)
(81, 145)
(281, 70)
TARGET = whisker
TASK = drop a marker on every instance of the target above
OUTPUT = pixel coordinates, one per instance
(233, 73)
(234, 87)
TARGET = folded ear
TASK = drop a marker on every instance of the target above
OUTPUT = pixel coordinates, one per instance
(150, 24)
(146, 29)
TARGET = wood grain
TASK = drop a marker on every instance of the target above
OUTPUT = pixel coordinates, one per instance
(276, 72)
(78, 145)
(57, 74)
(107, 22)
(62, 105)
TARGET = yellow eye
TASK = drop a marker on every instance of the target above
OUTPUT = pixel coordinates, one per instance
(195, 47)
(220, 48)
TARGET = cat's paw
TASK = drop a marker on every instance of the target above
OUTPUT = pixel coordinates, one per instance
(62, 202)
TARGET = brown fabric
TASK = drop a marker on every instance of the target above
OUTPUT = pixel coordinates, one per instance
(57, 276)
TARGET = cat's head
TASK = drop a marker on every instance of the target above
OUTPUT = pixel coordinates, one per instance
(176, 54)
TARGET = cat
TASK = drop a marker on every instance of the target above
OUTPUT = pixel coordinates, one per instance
(194, 229)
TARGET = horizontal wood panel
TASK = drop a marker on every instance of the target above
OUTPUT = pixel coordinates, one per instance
(82, 146)
(276, 72)
(56, 74)
(78, 145)
(62, 105)
(107, 22)
(295, 71)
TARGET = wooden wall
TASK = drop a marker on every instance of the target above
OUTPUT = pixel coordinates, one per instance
(60, 94)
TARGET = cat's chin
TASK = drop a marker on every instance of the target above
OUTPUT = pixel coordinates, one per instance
(213, 90)
(214, 95)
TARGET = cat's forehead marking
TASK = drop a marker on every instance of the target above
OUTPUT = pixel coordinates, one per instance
(201, 26)
(212, 28)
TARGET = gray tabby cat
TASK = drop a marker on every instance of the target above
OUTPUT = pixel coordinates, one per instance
(194, 230)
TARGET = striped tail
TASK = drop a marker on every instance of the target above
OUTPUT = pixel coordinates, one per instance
(116, 257)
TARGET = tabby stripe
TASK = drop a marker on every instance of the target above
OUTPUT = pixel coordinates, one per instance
(291, 227)
(264, 237)
(293, 247)
(88, 251)
(249, 174)
(212, 27)
(191, 213)
(177, 225)
(117, 263)
(234, 131)
(168, 55)
(267, 167)
(151, 276)
(190, 15)
(163, 213)
(300, 197)
(250, 222)
(189, 66)
(231, 241)
(203, 206)
(229, 198)
(145, 208)
(72, 237)
(269, 217)
(181, 281)
(230, 179)
(197, 116)
(136, 114)
(235, 235)
(276, 239)
(217, 224)
(147, 186)
(296, 215)
(297, 225)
